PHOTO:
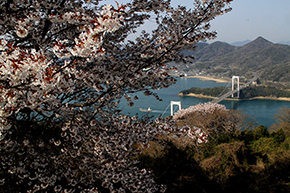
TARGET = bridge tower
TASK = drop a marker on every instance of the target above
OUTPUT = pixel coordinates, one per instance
(238, 85)
(174, 103)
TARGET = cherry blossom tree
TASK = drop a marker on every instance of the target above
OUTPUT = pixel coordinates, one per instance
(213, 119)
(64, 66)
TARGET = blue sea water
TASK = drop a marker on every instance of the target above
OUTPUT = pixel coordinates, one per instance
(261, 110)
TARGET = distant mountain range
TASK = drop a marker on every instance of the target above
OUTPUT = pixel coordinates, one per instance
(284, 42)
(271, 61)
(241, 43)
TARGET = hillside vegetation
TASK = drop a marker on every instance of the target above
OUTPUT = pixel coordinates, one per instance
(271, 61)
(234, 161)
(246, 93)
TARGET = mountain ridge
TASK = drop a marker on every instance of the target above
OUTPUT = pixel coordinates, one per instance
(270, 60)
(240, 43)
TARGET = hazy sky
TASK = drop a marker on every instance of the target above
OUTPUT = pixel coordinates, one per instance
(249, 19)
(252, 18)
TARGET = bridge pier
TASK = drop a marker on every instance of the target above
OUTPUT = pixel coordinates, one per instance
(174, 103)
(238, 85)
(237, 90)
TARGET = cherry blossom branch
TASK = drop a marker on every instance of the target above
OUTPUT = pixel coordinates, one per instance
(148, 62)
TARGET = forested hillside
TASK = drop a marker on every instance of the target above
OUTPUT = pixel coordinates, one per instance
(246, 93)
(271, 61)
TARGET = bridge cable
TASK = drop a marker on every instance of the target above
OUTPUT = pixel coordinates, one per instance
(165, 110)
(228, 85)
(234, 91)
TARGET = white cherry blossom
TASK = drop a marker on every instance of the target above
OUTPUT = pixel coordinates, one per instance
(64, 66)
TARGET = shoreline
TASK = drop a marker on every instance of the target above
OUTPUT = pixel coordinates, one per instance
(260, 97)
(205, 78)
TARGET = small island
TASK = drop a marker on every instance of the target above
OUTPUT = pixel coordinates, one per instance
(248, 93)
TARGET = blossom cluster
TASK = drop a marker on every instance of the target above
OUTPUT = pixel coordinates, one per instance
(212, 118)
(197, 134)
(89, 42)
(203, 108)
(194, 133)
(64, 67)
(205, 124)
(88, 153)
(19, 68)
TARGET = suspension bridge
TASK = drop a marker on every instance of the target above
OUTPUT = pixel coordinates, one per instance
(233, 91)
(219, 98)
